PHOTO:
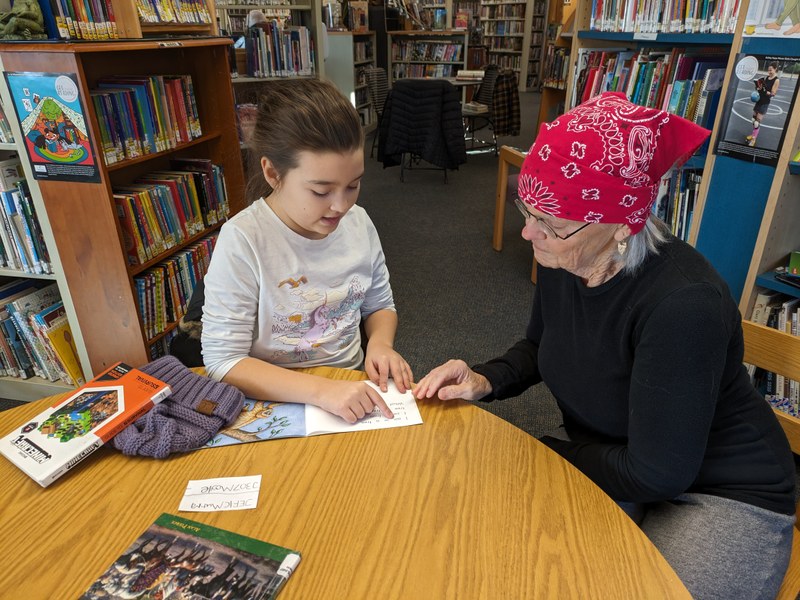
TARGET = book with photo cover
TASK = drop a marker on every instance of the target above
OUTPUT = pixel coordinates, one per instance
(54, 441)
(180, 558)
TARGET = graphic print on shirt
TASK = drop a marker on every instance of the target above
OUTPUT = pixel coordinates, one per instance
(316, 323)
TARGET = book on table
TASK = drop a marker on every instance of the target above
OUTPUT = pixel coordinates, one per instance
(260, 420)
(180, 558)
(54, 441)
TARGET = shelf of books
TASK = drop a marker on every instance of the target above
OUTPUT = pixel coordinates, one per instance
(284, 45)
(426, 53)
(125, 19)
(126, 151)
(506, 32)
(350, 55)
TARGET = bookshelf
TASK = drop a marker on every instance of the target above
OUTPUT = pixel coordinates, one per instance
(506, 32)
(96, 282)
(536, 45)
(232, 16)
(426, 53)
(131, 19)
(253, 64)
(350, 54)
(555, 60)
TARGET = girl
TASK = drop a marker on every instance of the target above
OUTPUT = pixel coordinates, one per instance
(294, 274)
(767, 88)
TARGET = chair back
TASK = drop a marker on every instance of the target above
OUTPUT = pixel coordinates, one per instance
(377, 87)
(485, 92)
(779, 353)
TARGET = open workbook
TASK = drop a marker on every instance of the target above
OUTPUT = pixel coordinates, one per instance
(272, 420)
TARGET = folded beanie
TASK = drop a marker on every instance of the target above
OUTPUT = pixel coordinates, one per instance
(195, 411)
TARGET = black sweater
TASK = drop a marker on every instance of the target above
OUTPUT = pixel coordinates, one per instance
(647, 371)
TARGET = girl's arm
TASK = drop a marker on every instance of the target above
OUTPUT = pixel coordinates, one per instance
(260, 380)
(382, 361)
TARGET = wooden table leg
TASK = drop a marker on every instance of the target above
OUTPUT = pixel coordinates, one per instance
(500, 204)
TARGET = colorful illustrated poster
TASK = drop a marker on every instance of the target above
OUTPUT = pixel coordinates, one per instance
(773, 18)
(53, 122)
(757, 108)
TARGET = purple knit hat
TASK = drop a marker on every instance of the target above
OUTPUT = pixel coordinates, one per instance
(197, 409)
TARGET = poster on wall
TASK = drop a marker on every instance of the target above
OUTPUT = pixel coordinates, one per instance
(773, 18)
(53, 122)
(757, 108)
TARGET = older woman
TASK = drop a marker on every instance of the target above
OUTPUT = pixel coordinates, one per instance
(640, 342)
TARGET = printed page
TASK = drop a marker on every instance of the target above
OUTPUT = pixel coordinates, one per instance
(404, 407)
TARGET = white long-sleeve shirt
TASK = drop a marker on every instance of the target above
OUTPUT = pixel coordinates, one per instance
(275, 295)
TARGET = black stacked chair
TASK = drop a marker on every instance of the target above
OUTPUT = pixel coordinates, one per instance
(378, 90)
(480, 118)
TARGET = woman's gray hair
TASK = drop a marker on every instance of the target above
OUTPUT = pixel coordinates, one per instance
(643, 244)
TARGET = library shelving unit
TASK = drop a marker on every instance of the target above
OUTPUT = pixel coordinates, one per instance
(506, 31)
(34, 387)
(536, 45)
(556, 60)
(416, 53)
(350, 55)
(96, 282)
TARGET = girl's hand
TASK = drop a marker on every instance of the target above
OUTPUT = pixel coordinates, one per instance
(350, 400)
(382, 362)
(453, 379)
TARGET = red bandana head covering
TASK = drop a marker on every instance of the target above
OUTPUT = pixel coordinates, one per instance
(601, 162)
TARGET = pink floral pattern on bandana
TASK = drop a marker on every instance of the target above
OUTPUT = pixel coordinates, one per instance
(602, 161)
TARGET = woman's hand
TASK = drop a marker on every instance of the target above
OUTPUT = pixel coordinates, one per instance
(453, 379)
(382, 362)
(350, 400)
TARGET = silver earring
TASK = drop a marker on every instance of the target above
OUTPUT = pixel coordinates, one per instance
(622, 247)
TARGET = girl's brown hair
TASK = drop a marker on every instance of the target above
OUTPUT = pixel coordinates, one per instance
(299, 115)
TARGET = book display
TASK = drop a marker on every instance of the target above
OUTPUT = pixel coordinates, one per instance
(351, 54)
(427, 53)
(131, 195)
(59, 438)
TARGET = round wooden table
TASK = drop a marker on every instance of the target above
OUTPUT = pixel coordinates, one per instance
(463, 506)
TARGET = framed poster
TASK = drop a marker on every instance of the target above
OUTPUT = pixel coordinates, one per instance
(757, 109)
(52, 117)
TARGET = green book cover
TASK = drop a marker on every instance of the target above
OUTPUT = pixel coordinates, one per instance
(180, 558)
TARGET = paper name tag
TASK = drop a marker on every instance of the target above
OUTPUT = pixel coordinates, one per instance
(224, 493)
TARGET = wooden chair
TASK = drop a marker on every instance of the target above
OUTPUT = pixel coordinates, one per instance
(508, 157)
(779, 352)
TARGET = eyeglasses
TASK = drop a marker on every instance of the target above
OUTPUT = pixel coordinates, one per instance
(548, 230)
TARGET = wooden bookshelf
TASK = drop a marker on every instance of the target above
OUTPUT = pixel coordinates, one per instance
(94, 277)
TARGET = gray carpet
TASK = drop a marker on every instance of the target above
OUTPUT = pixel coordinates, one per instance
(456, 297)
